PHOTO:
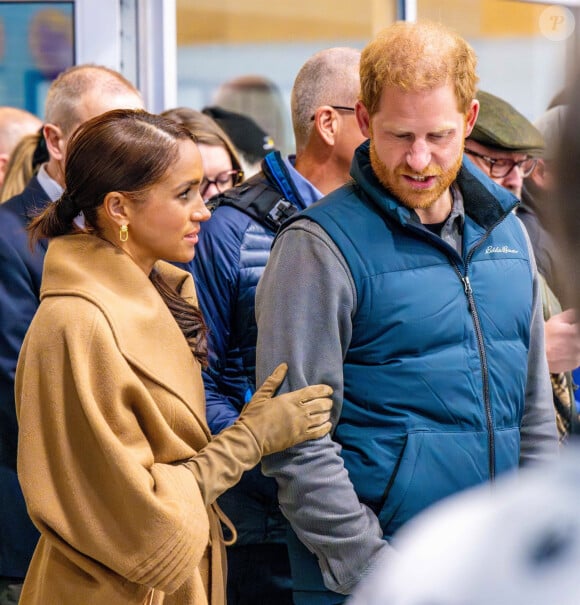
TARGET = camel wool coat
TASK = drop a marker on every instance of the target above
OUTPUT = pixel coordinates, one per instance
(110, 400)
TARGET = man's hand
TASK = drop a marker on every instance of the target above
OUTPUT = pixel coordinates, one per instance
(563, 341)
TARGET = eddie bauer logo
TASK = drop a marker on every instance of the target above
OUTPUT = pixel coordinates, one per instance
(500, 250)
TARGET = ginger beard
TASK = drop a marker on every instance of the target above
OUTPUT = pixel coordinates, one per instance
(394, 180)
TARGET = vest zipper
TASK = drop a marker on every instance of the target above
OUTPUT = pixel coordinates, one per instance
(484, 368)
(476, 324)
(480, 342)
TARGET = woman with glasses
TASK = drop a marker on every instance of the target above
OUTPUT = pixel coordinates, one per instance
(221, 165)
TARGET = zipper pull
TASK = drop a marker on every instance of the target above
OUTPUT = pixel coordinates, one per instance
(466, 285)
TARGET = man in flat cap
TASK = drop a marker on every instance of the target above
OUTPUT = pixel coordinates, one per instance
(504, 144)
(507, 147)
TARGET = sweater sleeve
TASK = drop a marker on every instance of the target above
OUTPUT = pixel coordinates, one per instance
(85, 461)
(305, 320)
(538, 435)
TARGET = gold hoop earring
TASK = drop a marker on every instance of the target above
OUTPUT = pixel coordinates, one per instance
(124, 233)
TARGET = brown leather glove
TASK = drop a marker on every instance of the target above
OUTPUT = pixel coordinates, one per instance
(266, 425)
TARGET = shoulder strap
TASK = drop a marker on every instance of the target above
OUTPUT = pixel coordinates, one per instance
(257, 198)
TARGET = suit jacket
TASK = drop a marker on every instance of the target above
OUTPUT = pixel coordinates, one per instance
(20, 275)
(110, 402)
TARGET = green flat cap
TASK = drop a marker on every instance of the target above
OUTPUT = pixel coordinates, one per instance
(501, 126)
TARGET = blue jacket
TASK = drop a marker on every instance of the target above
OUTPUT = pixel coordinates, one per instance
(230, 257)
(423, 309)
(20, 275)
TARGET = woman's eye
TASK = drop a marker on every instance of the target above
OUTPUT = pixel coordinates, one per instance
(184, 195)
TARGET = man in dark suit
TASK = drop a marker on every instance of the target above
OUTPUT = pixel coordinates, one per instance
(77, 95)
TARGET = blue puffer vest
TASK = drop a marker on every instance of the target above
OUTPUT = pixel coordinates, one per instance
(435, 374)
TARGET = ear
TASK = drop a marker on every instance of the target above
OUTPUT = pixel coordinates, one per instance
(540, 175)
(471, 117)
(363, 118)
(116, 208)
(54, 141)
(326, 123)
(4, 157)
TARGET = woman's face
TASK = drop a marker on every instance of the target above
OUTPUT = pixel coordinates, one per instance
(217, 168)
(165, 225)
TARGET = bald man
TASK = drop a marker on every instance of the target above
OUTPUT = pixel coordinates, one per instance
(78, 94)
(14, 124)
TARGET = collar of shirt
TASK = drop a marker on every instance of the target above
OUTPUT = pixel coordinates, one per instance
(52, 188)
(306, 189)
(452, 231)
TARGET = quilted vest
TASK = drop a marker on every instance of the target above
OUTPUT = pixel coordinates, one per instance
(435, 374)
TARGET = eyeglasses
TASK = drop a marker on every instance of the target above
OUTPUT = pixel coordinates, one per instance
(223, 181)
(501, 167)
(338, 108)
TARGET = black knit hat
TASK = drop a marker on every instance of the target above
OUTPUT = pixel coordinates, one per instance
(248, 137)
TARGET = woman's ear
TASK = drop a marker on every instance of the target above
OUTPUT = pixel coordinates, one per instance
(115, 206)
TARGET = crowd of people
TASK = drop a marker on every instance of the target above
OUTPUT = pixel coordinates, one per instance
(234, 376)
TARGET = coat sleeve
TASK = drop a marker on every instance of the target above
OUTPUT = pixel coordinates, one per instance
(306, 321)
(85, 460)
(216, 269)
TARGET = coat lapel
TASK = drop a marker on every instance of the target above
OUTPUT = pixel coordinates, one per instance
(87, 266)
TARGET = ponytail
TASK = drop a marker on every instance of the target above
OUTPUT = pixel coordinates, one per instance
(56, 219)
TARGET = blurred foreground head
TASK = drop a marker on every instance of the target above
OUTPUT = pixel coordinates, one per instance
(564, 220)
(514, 543)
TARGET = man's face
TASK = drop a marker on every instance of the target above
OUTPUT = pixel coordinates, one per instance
(417, 143)
(500, 165)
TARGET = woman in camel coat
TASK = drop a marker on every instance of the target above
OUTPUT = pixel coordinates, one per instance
(115, 458)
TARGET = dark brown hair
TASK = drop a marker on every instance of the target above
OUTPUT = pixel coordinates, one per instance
(127, 151)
